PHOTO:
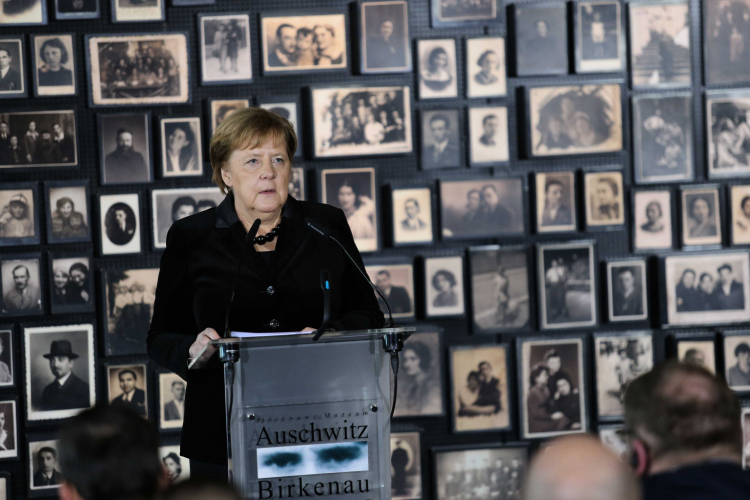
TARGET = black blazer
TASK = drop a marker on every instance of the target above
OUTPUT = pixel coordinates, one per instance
(195, 282)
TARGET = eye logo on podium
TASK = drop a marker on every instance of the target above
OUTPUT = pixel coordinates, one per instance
(307, 460)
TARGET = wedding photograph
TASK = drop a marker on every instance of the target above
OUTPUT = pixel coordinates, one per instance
(728, 133)
(68, 212)
(485, 67)
(620, 358)
(701, 216)
(605, 200)
(412, 216)
(555, 202)
(652, 220)
(128, 304)
(119, 223)
(420, 377)
(353, 190)
(12, 67)
(627, 292)
(19, 217)
(384, 43)
(438, 73)
(541, 39)
(444, 286)
(600, 41)
(171, 205)
(54, 63)
(225, 48)
(38, 139)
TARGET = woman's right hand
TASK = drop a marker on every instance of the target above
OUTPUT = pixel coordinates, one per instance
(201, 340)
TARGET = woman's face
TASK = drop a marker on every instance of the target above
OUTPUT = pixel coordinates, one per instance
(652, 213)
(700, 210)
(441, 61)
(707, 284)
(542, 378)
(65, 210)
(60, 279)
(52, 56)
(16, 210)
(489, 63)
(172, 468)
(323, 37)
(410, 362)
(347, 198)
(688, 279)
(177, 140)
(442, 283)
(473, 383)
(259, 176)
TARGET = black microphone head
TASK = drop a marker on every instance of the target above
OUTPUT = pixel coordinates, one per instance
(317, 228)
(253, 231)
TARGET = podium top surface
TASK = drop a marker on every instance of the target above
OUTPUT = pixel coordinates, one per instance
(306, 338)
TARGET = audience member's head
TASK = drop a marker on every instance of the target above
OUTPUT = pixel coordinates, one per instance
(193, 489)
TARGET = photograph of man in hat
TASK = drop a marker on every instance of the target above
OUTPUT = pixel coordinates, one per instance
(67, 391)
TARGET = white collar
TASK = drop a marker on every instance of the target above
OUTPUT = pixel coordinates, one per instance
(4, 72)
(64, 379)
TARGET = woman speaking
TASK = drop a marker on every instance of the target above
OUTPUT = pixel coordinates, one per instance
(274, 277)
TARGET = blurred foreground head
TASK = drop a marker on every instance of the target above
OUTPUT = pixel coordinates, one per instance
(193, 489)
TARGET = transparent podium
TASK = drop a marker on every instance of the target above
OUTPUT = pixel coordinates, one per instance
(310, 418)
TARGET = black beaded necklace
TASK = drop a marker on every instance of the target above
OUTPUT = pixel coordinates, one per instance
(268, 237)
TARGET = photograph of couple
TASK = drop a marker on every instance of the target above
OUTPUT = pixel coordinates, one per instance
(480, 387)
(304, 43)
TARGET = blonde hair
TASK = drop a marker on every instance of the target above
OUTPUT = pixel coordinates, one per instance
(248, 128)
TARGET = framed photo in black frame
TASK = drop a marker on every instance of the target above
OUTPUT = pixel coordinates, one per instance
(412, 211)
(128, 304)
(22, 282)
(42, 456)
(290, 108)
(35, 144)
(12, 57)
(71, 281)
(128, 386)
(701, 215)
(54, 65)
(355, 191)
(129, 11)
(652, 220)
(120, 223)
(444, 286)
(727, 112)
(125, 148)
(181, 146)
(394, 278)
(424, 376)
(226, 48)
(482, 12)
(441, 139)
(7, 357)
(605, 199)
(627, 290)
(68, 211)
(556, 202)
(23, 13)
(696, 349)
(541, 39)
(384, 43)
(600, 41)
(11, 439)
(19, 214)
(485, 67)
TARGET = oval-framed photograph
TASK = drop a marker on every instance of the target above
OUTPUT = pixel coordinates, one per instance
(120, 223)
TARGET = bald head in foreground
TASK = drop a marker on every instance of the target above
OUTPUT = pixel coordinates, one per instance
(579, 468)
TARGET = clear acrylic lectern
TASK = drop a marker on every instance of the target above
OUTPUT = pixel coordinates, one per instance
(310, 418)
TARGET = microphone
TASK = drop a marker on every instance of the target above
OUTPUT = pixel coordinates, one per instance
(248, 239)
(323, 232)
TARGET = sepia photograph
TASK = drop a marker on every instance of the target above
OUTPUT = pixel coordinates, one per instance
(466, 13)
(663, 138)
(23, 13)
(171, 205)
(600, 44)
(9, 435)
(384, 43)
(620, 359)
(361, 121)
(21, 280)
(444, 286)
(19, 215)
(485, 67)
(707, 288)
(297, 184)
(697, 352)
(7, 354)
(147, 69)
(412, 216)
(316, 41)
(125, 147)
(129, 305)
(567, 285)
(574, 119)
(420, 377)
(482, 207)
(406, 466)
(737, 361)
(177, 466)
(225, 48)
(725, 52)
(288, 107)
(12, 67)
(615, 438)
(71, 283)
(395, 282)
(652, 220)
(127, 387)
(222, 108)
(660, 44)
(740, 203)
(541, 39)
(627, 290)
(38, 139)
(135, 11)
(552, 386)
(479, 471)
(44, 470)
(60, 377)
(353, 190)
(171, 401)
(479, 385)
(68, 213)
(745, 437)
(555, 202)
(119, 225)
(701, 216)
(728, 134)
(605, 201)
(76, 9)
(181, 149)
(54, 65)
(441, 139)
(488, 135)
(438, 72)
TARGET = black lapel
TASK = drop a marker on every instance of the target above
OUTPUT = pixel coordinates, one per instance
(293, 236)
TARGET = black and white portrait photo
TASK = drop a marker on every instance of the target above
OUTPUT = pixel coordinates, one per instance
(541, 39)
(297, 184)
(726, 53)
(128, 70)
(171, 205)
(54, 65)
(567, 285)
(737, 361)
(119, 223)
(71, 283)
(708, 288)
(19, 214)
(652, 220)
(479, 378)
(701, 216)
(575, 119)
(77, 9)
(287, 107)
(314, 42)
(353, 190)
(222, 108)
(420, 377)
(68, 213)
(225, 48)
(605, 203)
(728, 136)
(125, 145)
(12, 67)
(488, 135)
(740, 203)
(438, 74)
(8, 431)
(555, 202)
(482, 207)
(38, 139)
(23, 12)
(360, 121)
(129, 304)
(697, 352)
(552, 385)
(59, 371)
(171, 401)
(412, 215)
(7, 370)
(600, 45)
(44, 470)
(660, 43)
(127, 387)
(627, 291)
(663, 138)
(480, 471)
(395, 282)
(21, 281)
(384, 37)
(177, 466)
(619, 360)
(124, 11)
(406, 466)
(466, 12)
(181, 149)
(444, 286)
(441, 139)
(500, 289)
(485, 67)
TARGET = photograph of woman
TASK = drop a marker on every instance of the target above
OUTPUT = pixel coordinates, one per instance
(72, 287)
(652, 211)
(419, 379)
(54, 65)
(485, 67)
(480, 388)
(444, 286)
(177, 467)
(67, 223)
(700, 217)
(181, 154)
(437, 75)
(17, 216)
(353, 191)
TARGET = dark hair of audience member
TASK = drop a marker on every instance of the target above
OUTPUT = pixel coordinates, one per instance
(194, 489)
